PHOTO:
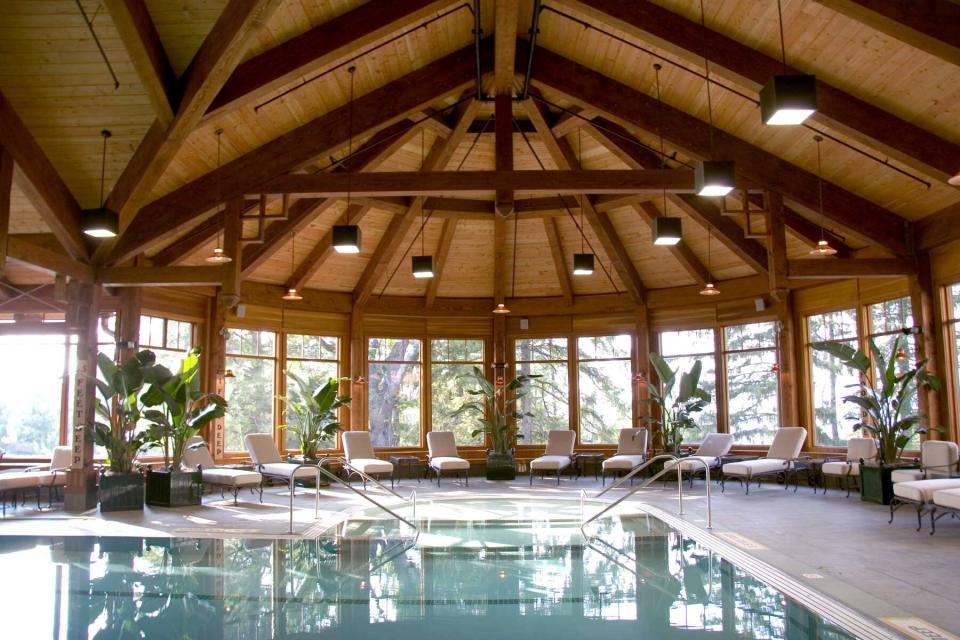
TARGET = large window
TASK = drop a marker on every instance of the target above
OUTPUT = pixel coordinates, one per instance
(313, 359)
(829, 380)
(451, 362)
(888, 321)
(549, 398)
(750, 352)
(681, 349)
(252, 358)
(393, 398)
(169, 339)
(605, 385)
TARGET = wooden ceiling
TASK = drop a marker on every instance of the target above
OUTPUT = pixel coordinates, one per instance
(272, 74)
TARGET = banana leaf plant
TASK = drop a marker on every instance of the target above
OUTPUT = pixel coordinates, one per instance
(678, 404)
(884, 407)
(312, 413)
(495, 408)
(178, 409)
(120, 406)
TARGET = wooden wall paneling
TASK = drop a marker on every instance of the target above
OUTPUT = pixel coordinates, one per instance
(850, 268)
(6, 193)
(177, 303)
(945, 261)
(871, 290)
(538, 327)
(458, 327)
(827, 297)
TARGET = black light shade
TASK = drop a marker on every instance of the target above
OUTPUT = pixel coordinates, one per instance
(666, 231)
(714, 177)
(422, 266)
(582, 264)
(101, 223)
(346, 238)
(787, 100)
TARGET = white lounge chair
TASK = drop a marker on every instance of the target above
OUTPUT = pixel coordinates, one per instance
(196, 456)
(358, 450)
(50, 477)
(858, 450)
(945, 502)
(265, 455)
(781, 457)
(710, 451)
(631, 453)
(444, 456)
(557, 456)
(937, 459)
(940, 466)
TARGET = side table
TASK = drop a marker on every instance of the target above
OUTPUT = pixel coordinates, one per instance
(582, 459)
(401, 461)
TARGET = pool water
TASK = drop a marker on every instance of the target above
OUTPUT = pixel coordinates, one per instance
(512, 570)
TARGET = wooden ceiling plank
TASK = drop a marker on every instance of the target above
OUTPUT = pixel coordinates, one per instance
(48, 260)
(506, 14)
(681, 251)
(320, 137)
(872, 125)
(629, 107)
(142, 42)
(447, 231)
(559, 263)
(835, 268)
(939, 228)
(811, 233)
(196, 238)
(315, 260)
(39, 181)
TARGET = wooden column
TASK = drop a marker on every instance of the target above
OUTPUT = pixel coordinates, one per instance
(642, 366)
(787, 386)
(358, 371)
(776, 246)
(503, 128)
(215, 364)
(232, 229)
(926, 316)
(81, 492)
(128, 322)
(6, 186)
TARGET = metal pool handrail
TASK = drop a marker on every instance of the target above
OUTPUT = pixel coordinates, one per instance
(346, 463)
(637, 470)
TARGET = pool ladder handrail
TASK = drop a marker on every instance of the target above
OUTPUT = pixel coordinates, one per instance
(368, 478)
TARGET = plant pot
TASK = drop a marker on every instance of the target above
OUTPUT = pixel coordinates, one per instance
(167, 488)
(121, 492)
(501, 466)
(875, 483)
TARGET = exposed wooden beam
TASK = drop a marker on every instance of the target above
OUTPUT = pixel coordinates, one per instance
(447, 232)
(610, 203)
(190, 242)
(6, 189)
(776, 246)
(506, 13)
(319, 47)
(47, 260)
(903, 140)
(499, 259)
(503, 106)
(315, 260)
(681, 252)
(631, 108)
(221, 52)
(929, 25)
(320, 137)
(811, 233)
(230, 272)
(160, 276)
(939, 228)
(40, 182)
(559, 263)
(139, 36)
(832, 268)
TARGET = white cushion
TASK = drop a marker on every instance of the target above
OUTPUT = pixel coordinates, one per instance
(922, 490)
(61, 458)
(442, 444)
(905, 475)
(231, 477)
(858, 448)
(841, 468)
(949, 498)
(623, 462)
(560, 443)
(262, 448)
(449, 463)
(749, 468)
(284, 470)
(939, 455)
(24, 480)
(357, 444)
(196, 454)
(371, 465)
(787, 443)
(686, 464)
(632, 442)
(715, 444)
(550, 463)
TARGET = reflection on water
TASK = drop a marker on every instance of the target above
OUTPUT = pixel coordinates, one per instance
(493, 579)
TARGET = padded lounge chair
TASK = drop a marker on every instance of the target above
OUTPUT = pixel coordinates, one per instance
(444, 456)
(945, 501)
(711, 451)
(265, 455)
(558, 454)
(358, 450)
(937, 459)
(858, 449)
(50, 477)
(631, 453)
(196, 456)
(781, 457)
(940, 462)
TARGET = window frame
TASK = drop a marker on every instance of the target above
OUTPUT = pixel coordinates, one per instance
(721, 337)
(573, 350)
(425, 381)
(277, 358)
(720, 370)
(284, 359)
(573, 390)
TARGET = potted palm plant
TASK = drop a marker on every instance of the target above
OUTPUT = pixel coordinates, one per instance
(884, 408)
(312, 414)
(495, 408)
(678, 404)
(119, 407)
(178, 410)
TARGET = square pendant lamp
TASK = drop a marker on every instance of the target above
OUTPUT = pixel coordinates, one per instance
(422, 266)
(714, 178)
(100, 223)
(666, 231)
(788, 100)
(346, 238)
(582, 264)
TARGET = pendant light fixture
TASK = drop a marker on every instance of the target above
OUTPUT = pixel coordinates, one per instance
(666, 230)
(787, 99)
(422, 264)
(710, 289)
(823, 247)
(346, 237)
(712, 178)
(101, 222)
(583, 262)
(218, 256)
(292, 295)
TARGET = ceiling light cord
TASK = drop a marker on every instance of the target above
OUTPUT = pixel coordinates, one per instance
(103, 164)
(706, 64)
(580, 195)
(352, 72)
(663, 157)
(513, 277)
(783, 48)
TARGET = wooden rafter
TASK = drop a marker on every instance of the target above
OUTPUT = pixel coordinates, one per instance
(832, 268)
(506, 13)
(190, 242)
(504, 149)
(139, 35)
(811, 233)
(313, 263)
(552, 230)
(906, 141)
(320, 137)
(160, 276)
(447, 231)
(629, 107)
(46, 259)
(499, 259)
(776, 246)
(939, 228)
(681, 251)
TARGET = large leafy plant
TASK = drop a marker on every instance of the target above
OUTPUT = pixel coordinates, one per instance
(884, 405)
(678, 403)
(312, 413)
(495, 408)
(178, 409)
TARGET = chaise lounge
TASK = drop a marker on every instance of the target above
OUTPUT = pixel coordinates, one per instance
(940, 463)
(710, 451)
(557, 456)
(358, 450)
(782, 457)
(265, 455)
(442, 446)
(196, 456)
(631, 453)
(858, 450)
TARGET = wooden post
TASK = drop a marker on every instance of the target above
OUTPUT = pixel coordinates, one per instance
(6, 187)
(776, 246)
(216, 368)
(128, 322)
(81, 492)
(642, 366)
(787, 386)
(503, 129)
(358, 368)
(926, 317)
(232, 230)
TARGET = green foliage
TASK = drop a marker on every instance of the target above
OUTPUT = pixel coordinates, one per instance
(882, 403)
(495, 408)
(312, 413)
(677, 404)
